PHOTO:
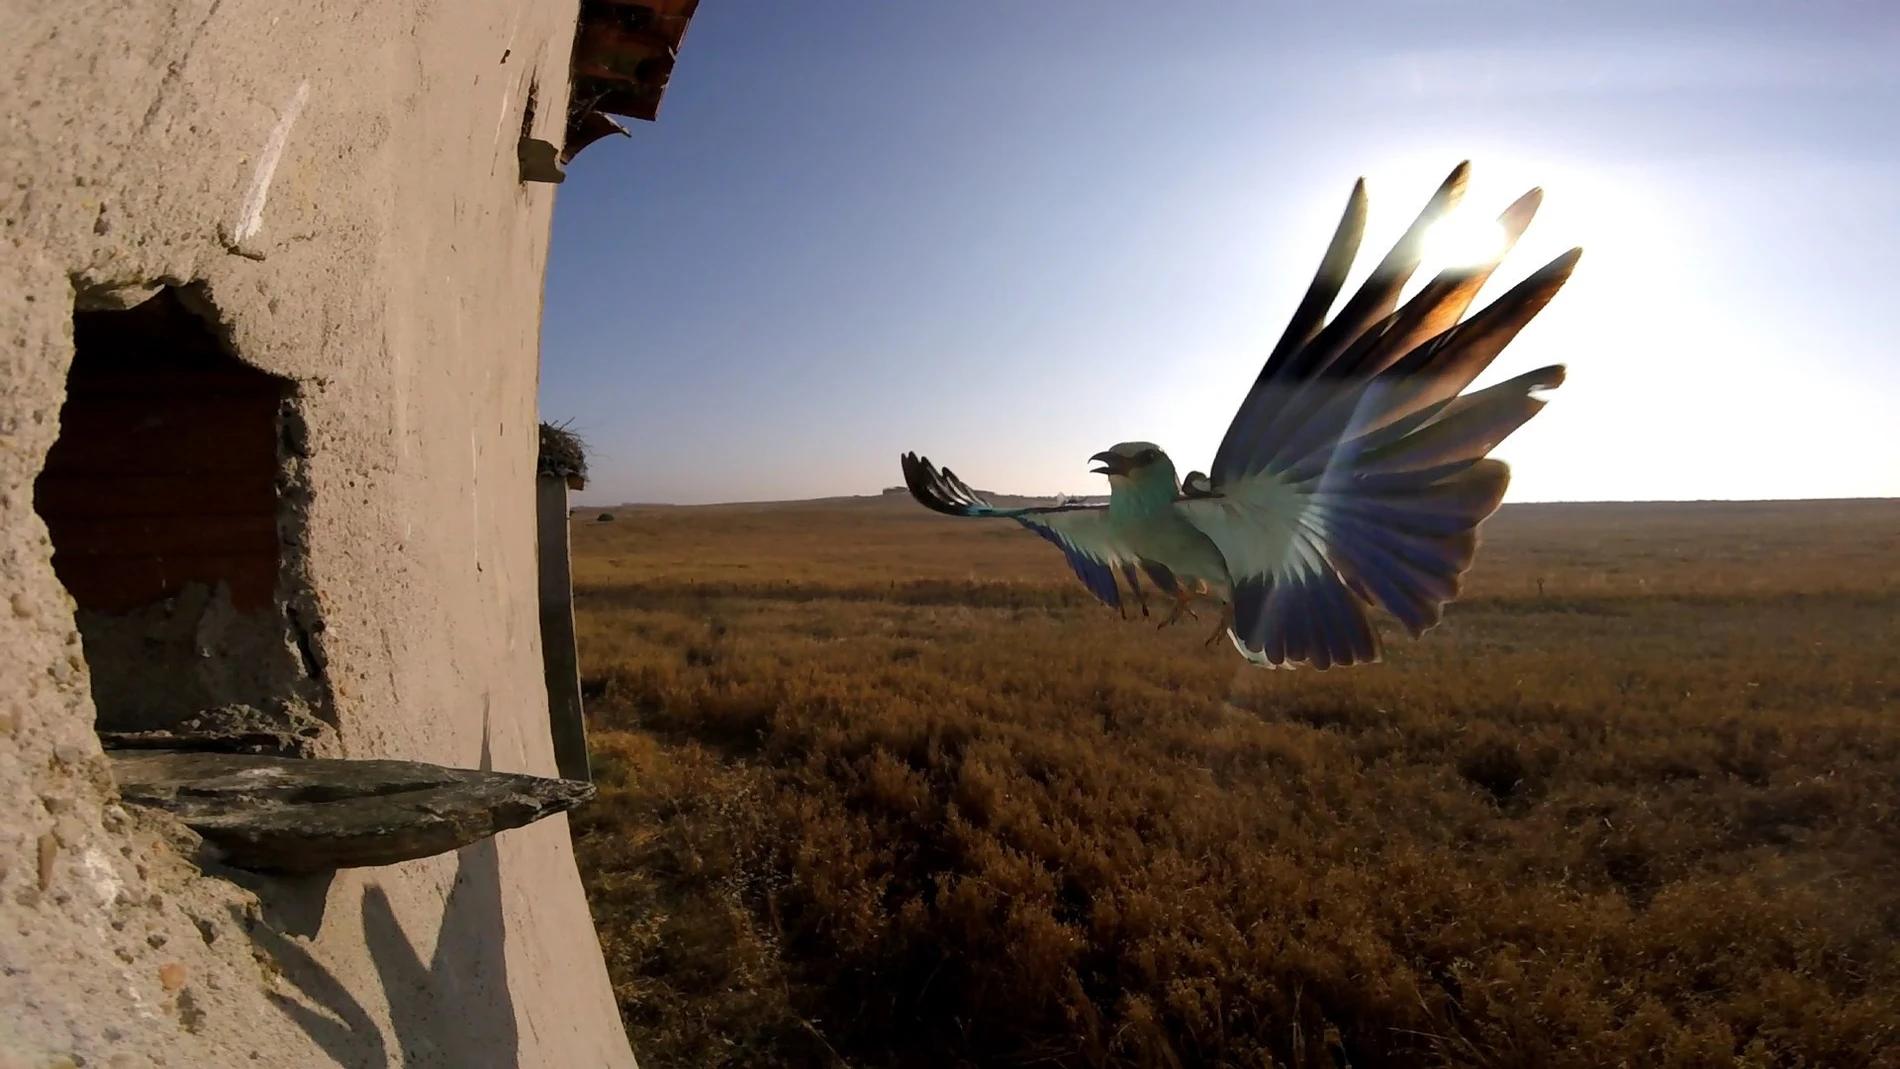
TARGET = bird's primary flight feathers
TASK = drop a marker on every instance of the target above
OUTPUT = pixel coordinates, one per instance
(1081, 531)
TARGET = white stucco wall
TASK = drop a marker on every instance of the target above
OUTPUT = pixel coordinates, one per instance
(341, 178)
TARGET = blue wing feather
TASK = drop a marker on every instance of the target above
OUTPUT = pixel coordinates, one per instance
(1354, 473)
(1066, 526)
(1095, 574)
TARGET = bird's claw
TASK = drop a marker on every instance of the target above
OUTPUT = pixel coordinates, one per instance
(1226, 624)
(1181, 608)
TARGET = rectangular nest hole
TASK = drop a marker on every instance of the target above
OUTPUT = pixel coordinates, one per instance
(163, 499)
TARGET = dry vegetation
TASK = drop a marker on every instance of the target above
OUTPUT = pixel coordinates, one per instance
(881, 788)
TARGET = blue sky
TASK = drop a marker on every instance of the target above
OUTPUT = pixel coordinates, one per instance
(1010, 235)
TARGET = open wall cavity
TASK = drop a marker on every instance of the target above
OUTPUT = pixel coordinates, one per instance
(165, 496)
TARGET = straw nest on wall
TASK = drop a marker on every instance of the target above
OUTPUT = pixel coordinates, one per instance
(563, 455)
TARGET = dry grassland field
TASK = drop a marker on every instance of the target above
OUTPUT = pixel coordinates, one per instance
(884, 788)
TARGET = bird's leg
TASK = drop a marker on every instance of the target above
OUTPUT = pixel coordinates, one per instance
(1141, 600)
(1183, 605)
(1134, 587)
(1226, 623)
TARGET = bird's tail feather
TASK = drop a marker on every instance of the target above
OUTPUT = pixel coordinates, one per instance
(1395, 498)
(1407, 549)
(1403, 544)
(1394, 501)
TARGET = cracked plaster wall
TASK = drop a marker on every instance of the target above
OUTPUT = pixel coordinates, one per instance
(340, 180)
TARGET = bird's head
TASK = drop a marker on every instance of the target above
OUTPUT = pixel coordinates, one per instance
(1135, 464)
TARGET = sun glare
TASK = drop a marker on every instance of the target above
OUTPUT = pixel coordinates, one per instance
(1462, 239)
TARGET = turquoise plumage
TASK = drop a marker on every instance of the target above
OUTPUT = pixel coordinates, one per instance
(1354, 474)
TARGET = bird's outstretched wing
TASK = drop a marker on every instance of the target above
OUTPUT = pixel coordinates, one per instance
(1080, 531)
(1354, 472)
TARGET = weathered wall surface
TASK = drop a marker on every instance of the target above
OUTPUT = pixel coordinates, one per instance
(340, 178)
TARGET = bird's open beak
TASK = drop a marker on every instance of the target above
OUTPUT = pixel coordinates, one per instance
(1112, 464)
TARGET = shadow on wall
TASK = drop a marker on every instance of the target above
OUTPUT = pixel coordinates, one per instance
(454, 1011)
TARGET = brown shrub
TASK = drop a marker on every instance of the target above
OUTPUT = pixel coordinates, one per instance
(885, 789)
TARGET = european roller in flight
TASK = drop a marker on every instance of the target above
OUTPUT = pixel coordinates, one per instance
(1354, 474)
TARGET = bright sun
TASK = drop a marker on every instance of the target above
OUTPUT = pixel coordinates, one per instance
(1462, 239)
